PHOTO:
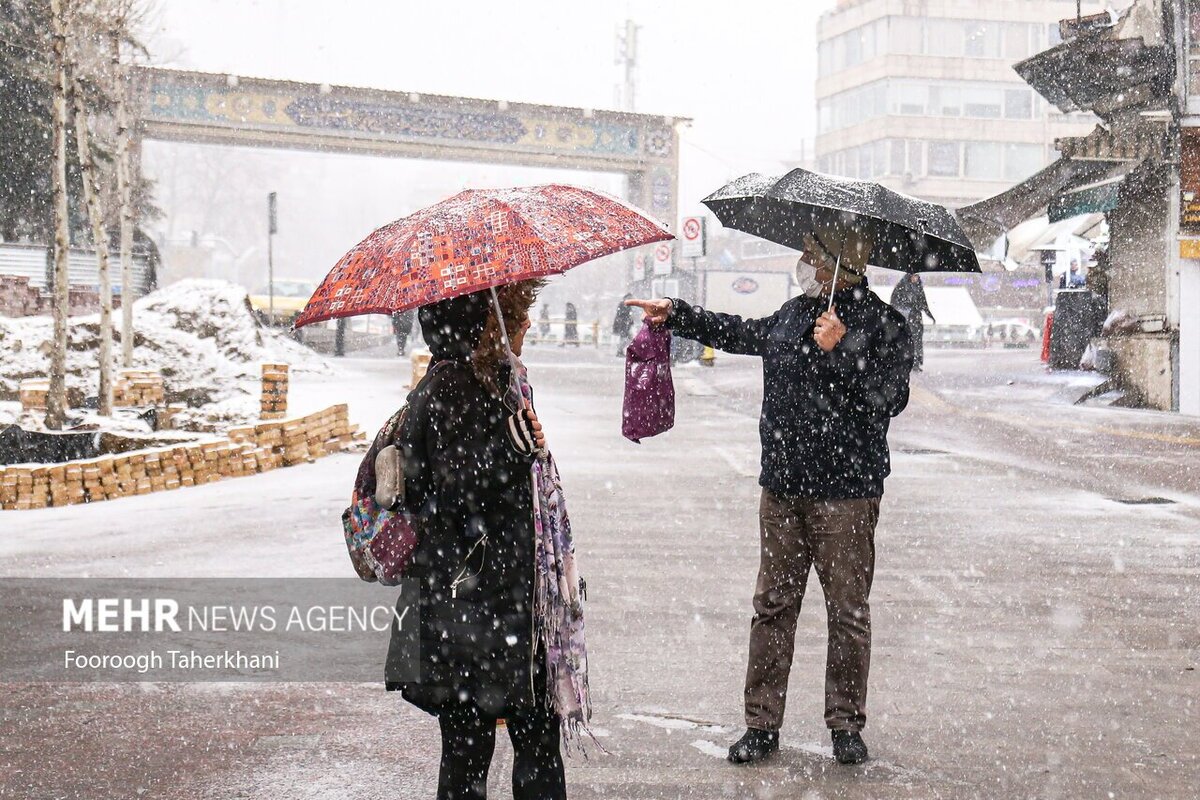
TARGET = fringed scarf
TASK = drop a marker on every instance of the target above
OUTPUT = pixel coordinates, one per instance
(557, 595)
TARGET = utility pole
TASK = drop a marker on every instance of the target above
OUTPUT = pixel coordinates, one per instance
(626, 57)
(272, 229)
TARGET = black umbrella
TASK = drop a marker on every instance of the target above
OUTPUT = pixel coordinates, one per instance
(909, 235)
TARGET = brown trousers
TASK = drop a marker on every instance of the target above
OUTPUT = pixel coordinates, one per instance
(837, 537)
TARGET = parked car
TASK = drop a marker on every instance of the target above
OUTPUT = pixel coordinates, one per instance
(291, 295)
(1013, 332)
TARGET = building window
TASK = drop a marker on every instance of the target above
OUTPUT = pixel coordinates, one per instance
(1019, 41)
(906, 35)
(982, 103)
(982, 40)
(1018, 104)
(916, 157)
(982, 161)
(943, 159)
(946, 37)
(852, 47)
(896, 161)
(909, 98)
(879, 157)
(945, 101)
(865, 169)
(1022, 160)
(853, 53)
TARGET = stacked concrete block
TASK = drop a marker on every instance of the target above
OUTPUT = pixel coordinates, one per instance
(245, 451)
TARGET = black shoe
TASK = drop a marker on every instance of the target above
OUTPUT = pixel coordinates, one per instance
(849, 747)
(755, 745)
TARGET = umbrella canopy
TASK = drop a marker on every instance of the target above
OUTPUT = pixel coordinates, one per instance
(475, 240)
(908, 234)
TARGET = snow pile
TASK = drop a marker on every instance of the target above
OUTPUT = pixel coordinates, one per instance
(200, 334)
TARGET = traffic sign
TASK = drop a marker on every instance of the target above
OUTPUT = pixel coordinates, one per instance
(639, 267)
(694, 238)
(662, 258)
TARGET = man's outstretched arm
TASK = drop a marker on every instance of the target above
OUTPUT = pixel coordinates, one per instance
(727, 332)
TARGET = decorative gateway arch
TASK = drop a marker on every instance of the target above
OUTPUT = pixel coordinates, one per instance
(174, 105)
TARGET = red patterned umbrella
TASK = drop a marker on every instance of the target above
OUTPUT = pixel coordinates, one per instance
(478, 239)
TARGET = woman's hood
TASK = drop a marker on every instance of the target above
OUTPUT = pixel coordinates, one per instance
(452, 328)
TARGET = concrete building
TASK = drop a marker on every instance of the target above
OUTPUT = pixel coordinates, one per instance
(1141, 167)
(921, 95)
(1183, 266)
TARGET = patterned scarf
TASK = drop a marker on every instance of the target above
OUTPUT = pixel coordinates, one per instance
(557, 594)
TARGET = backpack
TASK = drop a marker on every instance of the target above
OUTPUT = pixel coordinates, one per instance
(381, 534)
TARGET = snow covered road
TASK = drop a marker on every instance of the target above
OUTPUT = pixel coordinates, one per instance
(1036, 634)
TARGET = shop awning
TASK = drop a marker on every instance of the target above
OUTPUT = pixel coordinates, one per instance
(988, 219)
(1133, 74)
(1094, 198)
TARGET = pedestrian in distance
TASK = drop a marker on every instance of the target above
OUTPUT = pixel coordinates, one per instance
(468, 454)
(1072, 279)
(570, 326)
(832, 381)
(402, 322)
(544, 324)
(909, 299)
(622, 326)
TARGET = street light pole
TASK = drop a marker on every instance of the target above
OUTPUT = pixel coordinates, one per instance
(627, 58)
(272, 228)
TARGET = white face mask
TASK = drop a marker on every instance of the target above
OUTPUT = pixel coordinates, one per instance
(806, 278)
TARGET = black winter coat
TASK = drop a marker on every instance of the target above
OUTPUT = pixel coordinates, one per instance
(909, 299)
(471, 491)
(825, 416)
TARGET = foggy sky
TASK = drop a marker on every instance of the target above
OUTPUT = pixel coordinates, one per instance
(744, 73)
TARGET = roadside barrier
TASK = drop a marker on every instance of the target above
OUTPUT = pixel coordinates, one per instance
(246, 450)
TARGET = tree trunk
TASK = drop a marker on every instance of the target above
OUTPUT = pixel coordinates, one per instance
(121, 88)
(56, 399)
(91, 196)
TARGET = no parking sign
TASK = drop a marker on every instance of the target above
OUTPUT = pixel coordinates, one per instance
(694, 237)
(639, 267)
(662, 258)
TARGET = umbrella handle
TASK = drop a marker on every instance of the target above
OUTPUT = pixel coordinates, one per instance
(837, 265)
(512, 360)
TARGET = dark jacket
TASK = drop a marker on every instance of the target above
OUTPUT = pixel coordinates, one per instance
(909, 299)
(465, 481)
(825, 416)
(623, 320)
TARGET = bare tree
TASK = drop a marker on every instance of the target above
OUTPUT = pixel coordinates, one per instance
(119, 31)
(56, 399)
(92, 198)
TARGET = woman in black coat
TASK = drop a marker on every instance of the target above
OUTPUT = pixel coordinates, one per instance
(467, 467)
(570, 326)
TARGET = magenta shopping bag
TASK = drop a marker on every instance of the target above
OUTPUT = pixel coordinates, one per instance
(649, 407)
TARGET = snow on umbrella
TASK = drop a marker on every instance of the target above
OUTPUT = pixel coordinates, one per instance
(909, 235)
(475, 240)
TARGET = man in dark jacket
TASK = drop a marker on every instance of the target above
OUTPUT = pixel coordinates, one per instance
(909, 299)
(622, 326)
(831, 383)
